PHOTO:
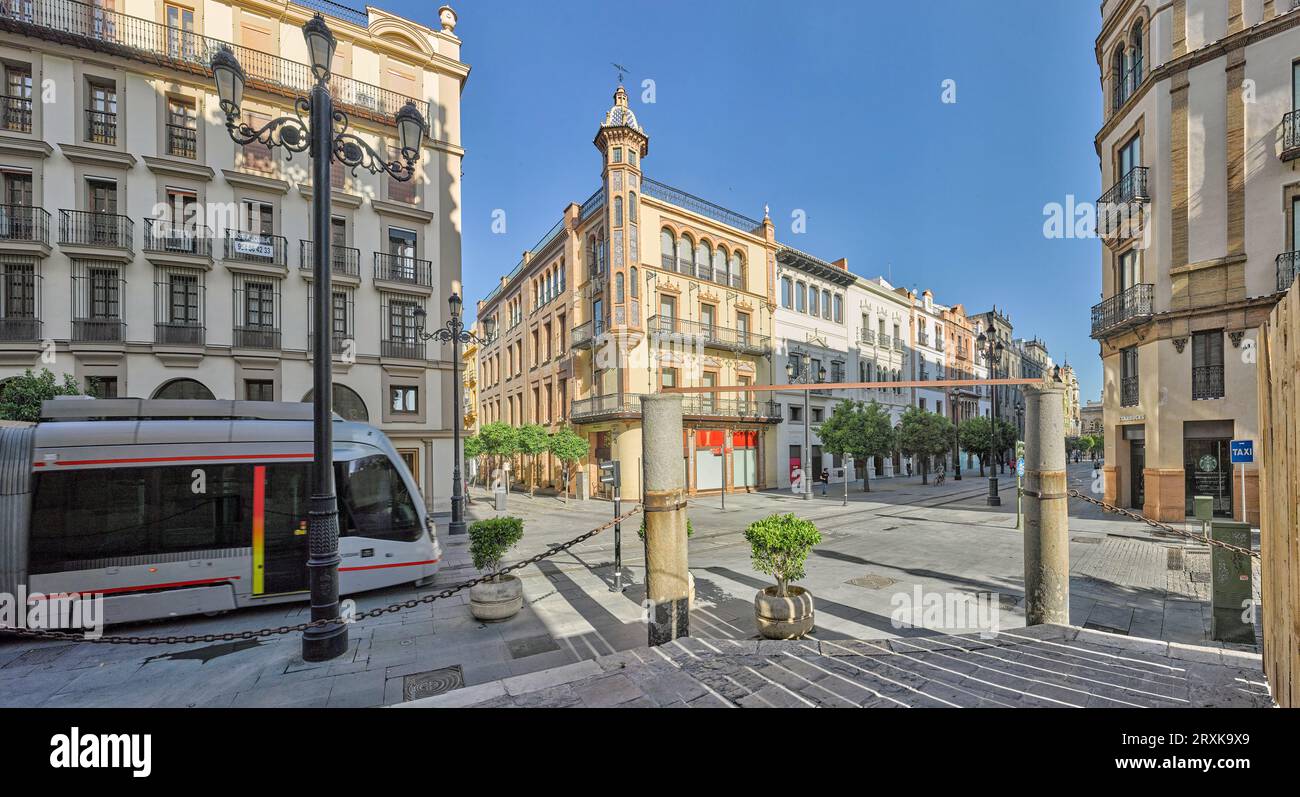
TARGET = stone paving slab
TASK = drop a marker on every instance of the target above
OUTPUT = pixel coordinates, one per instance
(1048, 665)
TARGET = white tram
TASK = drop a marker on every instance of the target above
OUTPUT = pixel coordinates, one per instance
(172, 508)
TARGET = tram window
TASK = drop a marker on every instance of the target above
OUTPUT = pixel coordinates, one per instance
(374, 501)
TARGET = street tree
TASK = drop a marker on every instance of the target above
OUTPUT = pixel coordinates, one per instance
(21, 396)
(500, 441)
(923, 435)
(531, 442)
(472, 448)
(976, 435)
(878, 438)
(569, 448)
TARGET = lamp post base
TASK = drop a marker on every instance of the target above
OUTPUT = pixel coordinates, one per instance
(456, 528)
(993, 499)
(322, 643)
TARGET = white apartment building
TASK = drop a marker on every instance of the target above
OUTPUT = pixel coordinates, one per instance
(145, 253)
(881, 353)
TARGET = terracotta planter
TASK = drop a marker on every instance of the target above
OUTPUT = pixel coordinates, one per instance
(790, 617)
(491, 601)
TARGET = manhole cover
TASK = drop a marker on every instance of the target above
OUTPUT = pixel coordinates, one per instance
(1087, 540)
(872, 581)
(1199, 576)
(531, 646)
(1108, 629)
(433, 682)
(1174, 559)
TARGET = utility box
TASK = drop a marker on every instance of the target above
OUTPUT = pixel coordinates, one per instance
(1230, 585)
(1203, 508)
(580, 485)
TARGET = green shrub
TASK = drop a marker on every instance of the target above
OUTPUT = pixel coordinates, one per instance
(490, 539)
(641, 531)
(780, 545)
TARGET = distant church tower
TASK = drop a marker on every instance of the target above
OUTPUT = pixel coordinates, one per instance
(623, 144)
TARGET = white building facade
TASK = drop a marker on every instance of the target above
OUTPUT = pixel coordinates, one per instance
(146, 254)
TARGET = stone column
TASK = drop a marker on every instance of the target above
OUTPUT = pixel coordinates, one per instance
(1047, 525)
(667, 575)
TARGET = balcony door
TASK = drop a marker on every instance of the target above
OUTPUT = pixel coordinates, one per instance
(667, 313)
(181, 43)
(1130, 155)
(16, 221)
(101, 201)
(1130, 270)
(401, 245)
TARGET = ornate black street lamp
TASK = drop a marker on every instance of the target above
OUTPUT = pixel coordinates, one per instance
(320, 130)
(455, 333)
(953, 396)
(992, 350)
(798, 375)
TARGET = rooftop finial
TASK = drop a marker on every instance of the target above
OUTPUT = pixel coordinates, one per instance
(621, 69)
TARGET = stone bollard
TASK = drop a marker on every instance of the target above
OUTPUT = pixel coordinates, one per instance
(667, 574)
(1047, 523)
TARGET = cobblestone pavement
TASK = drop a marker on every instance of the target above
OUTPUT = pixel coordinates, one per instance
(1043, 666)
(899, 537)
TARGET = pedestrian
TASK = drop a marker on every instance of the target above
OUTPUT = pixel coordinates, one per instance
(826, 480)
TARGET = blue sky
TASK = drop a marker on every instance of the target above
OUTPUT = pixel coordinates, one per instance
(830, 107)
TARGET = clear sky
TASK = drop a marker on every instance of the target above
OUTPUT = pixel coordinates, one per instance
(832, 108)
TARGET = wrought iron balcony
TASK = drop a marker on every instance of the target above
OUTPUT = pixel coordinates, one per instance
(705, 405)
(403, 349)
(614, 405)
(13, 329)
(256, 337)
(344, 260)
(399, 268)
(88, 228)
(101, 127)
(1207, 382)
(182, 141)
(248, 247)
(867, 337)
(585, 335)
(165, 237)
(1288, 263)
(98, 330)
(1291, 136)
(96, 28)
(898, 344)
(178, 334)
(1120, 211)
(16, 113)
(1126, 86)
(710, 335)
(24, 223)
(1122, 310)
(1128, 391)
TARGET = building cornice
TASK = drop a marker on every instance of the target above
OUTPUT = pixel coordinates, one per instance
(24, 147)
(255, 181)
(178, 168)
(94, 156)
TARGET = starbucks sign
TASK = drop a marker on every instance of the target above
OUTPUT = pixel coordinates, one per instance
(1207, 464)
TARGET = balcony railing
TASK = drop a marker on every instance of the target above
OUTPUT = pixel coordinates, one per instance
(584, 335)
(165, 237)
(399, 268)
(337, 342)
(344, 260)
(178, 334)
(1291, 136)
(24, 223)
(1207, 382)
(87, 228)
(255, 337)
(898, 343)
(98, 330)
(1126, 85)
(867, 337)
(1131, 305)
(182, 141)
(1288, 263)
(405, 349)
(613, 405)
(247, 247)
(1120, 209)
(1128, 391)
(20, 329)
(696, 205)
(84, 25)
(101, 127)
(16, 114)
(710, 335)
(706, 405)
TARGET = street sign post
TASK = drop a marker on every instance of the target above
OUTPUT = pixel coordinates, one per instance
(1020, 480)
(1243, 452)
(609, 474)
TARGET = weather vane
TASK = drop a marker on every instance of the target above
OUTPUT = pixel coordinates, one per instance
(621, 69)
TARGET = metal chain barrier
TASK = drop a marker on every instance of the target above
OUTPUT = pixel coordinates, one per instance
(1165, 527)
(234, 636)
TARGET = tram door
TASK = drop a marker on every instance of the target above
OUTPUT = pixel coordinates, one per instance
(280, 528)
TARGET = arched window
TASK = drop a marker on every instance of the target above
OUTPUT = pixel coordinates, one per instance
(800, 297)
(618, 211)
(631, 207)
(826, 304)
(184, 389)
(667, 248)
(591, 254)
(618, 287)
(633, 276)
(684, 247)
(737, 267)
(787, 290)
(1121, 79)
(703, 254)
(347, 403)
(720, 264)
(813, 303)
(1135, 50)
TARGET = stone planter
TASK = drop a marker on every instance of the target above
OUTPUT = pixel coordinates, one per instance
(491, 601)
(790, 617)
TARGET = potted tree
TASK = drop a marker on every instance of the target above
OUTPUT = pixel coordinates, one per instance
(780, 545)
(499, 597)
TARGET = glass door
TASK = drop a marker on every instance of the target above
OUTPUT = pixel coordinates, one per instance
(1208, 468)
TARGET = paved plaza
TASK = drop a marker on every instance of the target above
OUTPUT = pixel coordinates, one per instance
(900, 536)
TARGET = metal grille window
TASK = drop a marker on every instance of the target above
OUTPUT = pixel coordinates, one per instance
(16, 104)
(19, 298)
(178, 306)
(103, 387)
(1207, 365)
(101, 113)
(342, 316)
(399, 339)
(257, 312)
(1128, 382)
(182, 130)
(97, 288)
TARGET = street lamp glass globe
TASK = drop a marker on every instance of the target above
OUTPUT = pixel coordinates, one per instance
(410, 128)
(229, 77)
(789, 371)
(420, 316)
(320, 46)
(455, 302)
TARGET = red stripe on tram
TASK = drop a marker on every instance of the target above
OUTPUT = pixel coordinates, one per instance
(381, 567)
(112, 590)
